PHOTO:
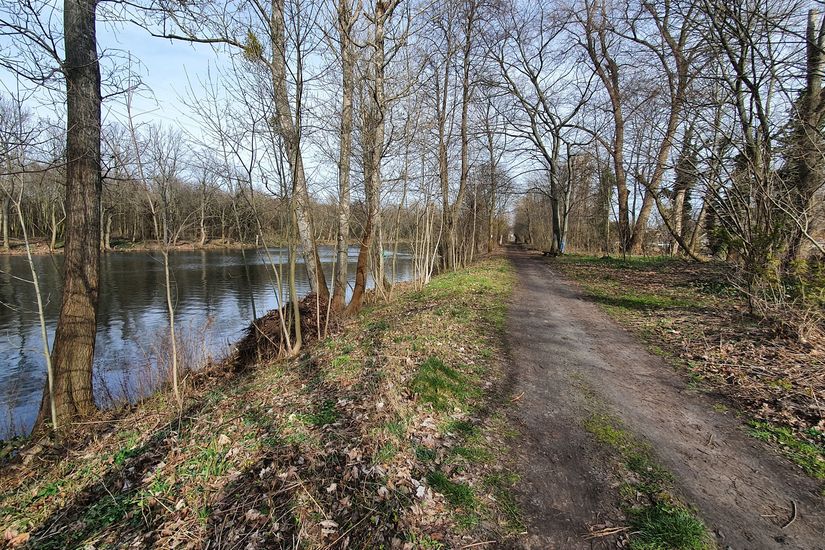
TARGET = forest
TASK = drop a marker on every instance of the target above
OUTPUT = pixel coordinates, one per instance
(623, 130)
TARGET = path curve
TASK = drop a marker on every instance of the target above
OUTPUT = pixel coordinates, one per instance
(563, 346)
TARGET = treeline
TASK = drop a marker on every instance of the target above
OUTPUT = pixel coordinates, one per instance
(691, 128)
(204, 206)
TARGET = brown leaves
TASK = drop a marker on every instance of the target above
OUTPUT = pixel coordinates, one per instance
(14, 539)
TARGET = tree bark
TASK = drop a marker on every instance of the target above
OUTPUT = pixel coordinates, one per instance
(289, 132)
(74, 340)
(373, 145)
(6, 213)
(453, 211)
(345, 22)
(808, 142)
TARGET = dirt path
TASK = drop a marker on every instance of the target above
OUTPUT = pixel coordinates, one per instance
(563, 347)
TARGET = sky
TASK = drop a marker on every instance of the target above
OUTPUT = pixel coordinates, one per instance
(166, 68)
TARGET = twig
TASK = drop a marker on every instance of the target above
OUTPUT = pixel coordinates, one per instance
(793, 516)
(479, 544)
(606, 532)
(516, 398)
(320, 509)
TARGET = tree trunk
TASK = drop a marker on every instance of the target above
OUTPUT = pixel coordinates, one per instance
(807, 140)
(107, 232)
(345, 21)
(373, 145)
(6, 213)
(203, 221)
(289, 132)
(74, 340)
(452, 212)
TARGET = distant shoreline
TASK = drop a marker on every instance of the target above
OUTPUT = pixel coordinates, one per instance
(42, 249)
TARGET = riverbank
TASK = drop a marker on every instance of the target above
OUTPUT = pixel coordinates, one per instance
(692, 315)
(389, 433)
(42, 247)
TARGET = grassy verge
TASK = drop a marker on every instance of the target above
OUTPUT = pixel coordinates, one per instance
(692, 315)
(388, 433)
(657, 519)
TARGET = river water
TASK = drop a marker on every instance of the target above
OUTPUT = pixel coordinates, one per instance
(217, 294)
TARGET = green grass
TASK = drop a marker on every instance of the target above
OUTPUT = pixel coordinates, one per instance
(629, 262)
(464, 428)
(130, 449)
(810, 456)
(208, 463)
(386, 453)
(458, 494)
(501, 485)
(658, 522)
(472, 453)
(638, 301)
(424, 542)
(443, 386)
(327, 413)
(667, 526)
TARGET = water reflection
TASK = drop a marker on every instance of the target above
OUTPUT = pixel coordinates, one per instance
(217, 293)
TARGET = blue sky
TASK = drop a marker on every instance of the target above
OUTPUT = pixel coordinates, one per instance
(166, 68)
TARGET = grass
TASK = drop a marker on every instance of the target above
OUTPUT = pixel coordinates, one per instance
(326, 414)
(666, 526)
(353, 413)
(657, 520)
(442, 386)
(457, 493)
(501, 485)
(807, 455)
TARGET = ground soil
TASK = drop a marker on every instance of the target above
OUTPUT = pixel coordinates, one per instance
(568, 358)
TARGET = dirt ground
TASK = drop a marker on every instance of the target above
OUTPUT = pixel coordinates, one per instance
(570, 361)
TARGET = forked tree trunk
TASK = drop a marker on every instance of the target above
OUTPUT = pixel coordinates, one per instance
(74, 339)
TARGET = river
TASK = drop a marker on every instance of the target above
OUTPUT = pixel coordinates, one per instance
(217, 294)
